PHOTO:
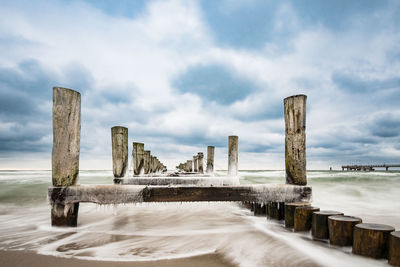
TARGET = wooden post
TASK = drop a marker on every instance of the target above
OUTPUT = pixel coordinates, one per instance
(200, 159)
(190, 165)
(295, 139)
(341, 229)
(303, 218)
(195, 169)
(289, 212)
(394, 248)
(66, 148)
(233, 156)
(138, 157)
(210, 159)
(320, 223)
(371, 240)
(259, 209)
(146, 161)
(119, 138)
(274, 211)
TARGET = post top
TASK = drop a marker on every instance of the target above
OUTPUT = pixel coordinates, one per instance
(114, 127)
(72, 91)
(136, 143)
(147, 151)
(295, 96)
(233, 136)
(211, 146)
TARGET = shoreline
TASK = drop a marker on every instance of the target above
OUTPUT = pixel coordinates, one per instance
(30, 258)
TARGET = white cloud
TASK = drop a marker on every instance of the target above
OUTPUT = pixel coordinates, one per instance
(138, 58)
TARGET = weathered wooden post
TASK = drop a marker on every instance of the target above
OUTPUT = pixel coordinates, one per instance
(195, 169)
(210, 159)
(371, 240)
(119, 138)
(154, 168)
(320, 223)
(341, 229)
(260, 209)
(295, 139)
(289, 212)
(233, 156)
(275, 210)
(157, 166)
(146, 161)
(66, 148)
(189, 165)
(303, 218)
(394, 248)
(200, 160)
(138, 157)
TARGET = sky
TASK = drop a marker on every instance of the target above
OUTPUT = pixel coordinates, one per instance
(182, 75)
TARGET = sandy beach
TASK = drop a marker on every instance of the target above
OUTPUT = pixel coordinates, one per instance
(27, 258)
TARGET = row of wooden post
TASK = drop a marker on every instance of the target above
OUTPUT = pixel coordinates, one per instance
(66, 147)
(370, 240)
(197, 164)
(66, 141)
(143, 161)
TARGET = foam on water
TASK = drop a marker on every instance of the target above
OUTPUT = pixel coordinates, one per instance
(151, 231)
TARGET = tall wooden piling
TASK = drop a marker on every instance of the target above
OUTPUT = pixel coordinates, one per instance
(66, 149)
(295, 139)
(233, 155)
(146, 161)
(138, 157)
(200, 160)
(195, 169)
(119, 138)
(189, 165)
(210, 159)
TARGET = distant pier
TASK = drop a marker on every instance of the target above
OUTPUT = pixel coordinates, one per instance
(369, 167)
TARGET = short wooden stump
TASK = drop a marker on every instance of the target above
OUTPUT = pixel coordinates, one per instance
(341, 229)
(289, 212)
(275, 210)
(371, 240)
(303, 218)
(319, 223)
(394, 248)
(259, 209)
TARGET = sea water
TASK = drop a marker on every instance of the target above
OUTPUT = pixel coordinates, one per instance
(152, 231)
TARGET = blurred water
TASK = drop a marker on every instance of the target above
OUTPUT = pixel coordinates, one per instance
(152, 231)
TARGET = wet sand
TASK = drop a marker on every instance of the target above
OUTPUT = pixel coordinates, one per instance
(28, 258)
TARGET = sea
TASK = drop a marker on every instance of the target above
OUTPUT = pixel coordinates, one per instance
(154, 231)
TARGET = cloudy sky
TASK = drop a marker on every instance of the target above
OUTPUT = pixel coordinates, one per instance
(182, 75)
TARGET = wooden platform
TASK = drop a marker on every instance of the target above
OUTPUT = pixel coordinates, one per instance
(118, 194)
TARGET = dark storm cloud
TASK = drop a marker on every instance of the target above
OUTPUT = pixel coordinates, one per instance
(214, 83)
(25, 113)
(353, 84)
(22, 90)
(385, 125)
